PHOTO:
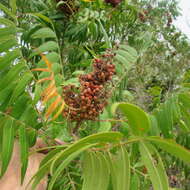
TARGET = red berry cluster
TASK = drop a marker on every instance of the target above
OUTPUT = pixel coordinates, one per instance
(88, 101)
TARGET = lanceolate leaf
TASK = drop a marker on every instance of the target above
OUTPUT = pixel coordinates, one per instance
(44, 33)
(171, 147)
(120, 170)
(155, 171)
(64, 163)
(44, 168)
(55, 158)
(95, 171)
(7, 31)
(95, 138)
(7, 11)
(5, 46)
(20, 88)
(47, 46)
(7, 144)
(137, 118)
(6, 22)
(23, 151)
(135, 182)
(6, 60)
(13, 5)
(10, 76)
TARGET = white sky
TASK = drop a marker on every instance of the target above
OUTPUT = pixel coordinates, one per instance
(183, 21)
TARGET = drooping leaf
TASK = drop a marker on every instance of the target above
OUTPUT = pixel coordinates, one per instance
(65, 163)
(135, 182)
(7, 11)
(23, 139)
(7, 145)
(95, 171)
(120, 170)
(154, 167)
(6, 22)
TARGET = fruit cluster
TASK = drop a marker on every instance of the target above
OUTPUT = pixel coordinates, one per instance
(88, 101)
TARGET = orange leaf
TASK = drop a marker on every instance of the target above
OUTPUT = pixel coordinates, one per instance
(48, 89)
(52, 94)
(59, 111)
(45, 79)
(46, 61)
(53, 106)
(41, 69)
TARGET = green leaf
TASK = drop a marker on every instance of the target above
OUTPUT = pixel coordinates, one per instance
(166, 116)
(135, 182)
(184, 98)
(7, 11)
(7, 31)
(42, 17)
(21, 86)
(155, 170)
(44, 168)
(95, 138)
(11, 75)
(106, 125)
(7, 145)
(172, 147)
(47, 46)
(13, 5)
(120, 170)
(122, 60)
(95, 171)
(128, 57)
(64, 163)
(8, 58)
(130, 50)
(5, 46)
(7, 22)
(29, 116)
(108, 43)
(23, 151)
(52, 57)
(44, 33)
(5, 93)
(137, 118)
(184, 127)
(20, 106)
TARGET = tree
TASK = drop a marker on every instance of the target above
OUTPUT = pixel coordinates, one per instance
(60, 66)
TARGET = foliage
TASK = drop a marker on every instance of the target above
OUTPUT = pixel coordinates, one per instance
(47, 45)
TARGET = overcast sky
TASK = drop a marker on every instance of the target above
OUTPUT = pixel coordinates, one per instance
(183, 22)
